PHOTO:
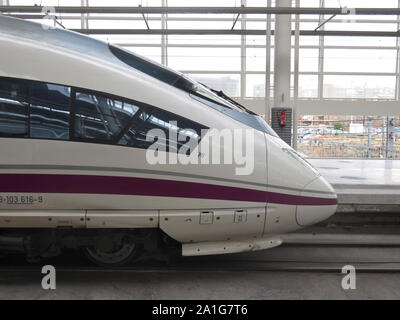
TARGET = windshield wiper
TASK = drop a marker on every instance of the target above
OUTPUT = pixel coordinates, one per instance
(222, 95)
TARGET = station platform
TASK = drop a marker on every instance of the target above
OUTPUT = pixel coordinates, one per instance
(363, 185)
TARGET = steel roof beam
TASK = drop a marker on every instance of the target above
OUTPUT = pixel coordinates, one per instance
(232, 32)
(186, 18)
(205, 10)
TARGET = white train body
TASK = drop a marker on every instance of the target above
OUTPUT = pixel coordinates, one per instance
(84, 184)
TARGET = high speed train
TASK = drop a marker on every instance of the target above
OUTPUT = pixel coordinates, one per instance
(75, 117)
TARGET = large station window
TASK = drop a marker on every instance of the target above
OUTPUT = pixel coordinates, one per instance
(100, 118)
(14, 106)
(50, 111)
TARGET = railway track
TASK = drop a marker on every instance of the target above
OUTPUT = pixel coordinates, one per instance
(239, 266)
(301, 252)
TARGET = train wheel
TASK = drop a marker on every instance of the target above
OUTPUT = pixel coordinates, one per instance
(113, 251)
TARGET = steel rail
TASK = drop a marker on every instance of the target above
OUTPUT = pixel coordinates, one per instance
(205, 10)
(281, 266)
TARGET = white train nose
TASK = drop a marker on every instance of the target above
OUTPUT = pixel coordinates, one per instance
(320, 203)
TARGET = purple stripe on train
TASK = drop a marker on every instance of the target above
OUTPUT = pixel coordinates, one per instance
(91, 184)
